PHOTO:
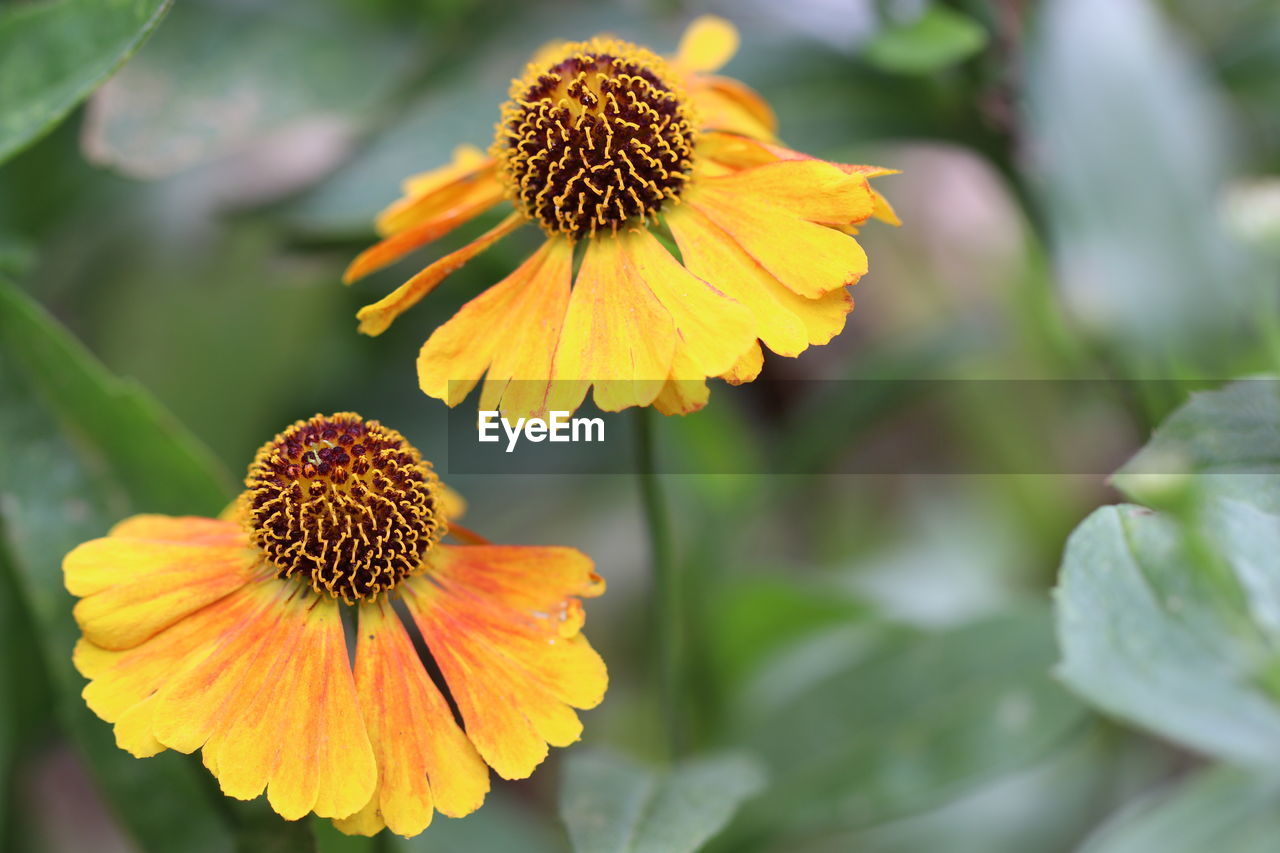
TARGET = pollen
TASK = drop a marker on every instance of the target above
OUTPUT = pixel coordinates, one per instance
(345, 504)
(601, 137)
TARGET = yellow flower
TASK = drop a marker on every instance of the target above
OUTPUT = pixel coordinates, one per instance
(605, 144)
(226, 635)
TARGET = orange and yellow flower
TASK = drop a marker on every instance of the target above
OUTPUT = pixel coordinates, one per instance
(695, 235)
(226, 636)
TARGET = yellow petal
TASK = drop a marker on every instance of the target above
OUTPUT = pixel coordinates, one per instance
(425, 762)
(374, 319)
(786, 321)
(746, 368)
(616, 334)
(811, 189)
(131, 589)
(712, 329)
(682, 396)
(707, 44)
(502, 624)
(521, 370)
(725, 104)
(810, 259)
(460, 350)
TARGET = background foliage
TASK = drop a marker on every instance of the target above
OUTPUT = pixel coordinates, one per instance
(886, 663)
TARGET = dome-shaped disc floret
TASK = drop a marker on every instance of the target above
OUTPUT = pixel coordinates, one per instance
(344, 503)
(602, 136)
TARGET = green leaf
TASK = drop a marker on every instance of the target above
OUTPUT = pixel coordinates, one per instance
(1217, 809)
(1229, 439)
(613, 805)
(859, 728)
(1176, 626)
(222, 77)
(113, 422)
(53, 54)
(939, 38)
(1138, 255)
(50, 501)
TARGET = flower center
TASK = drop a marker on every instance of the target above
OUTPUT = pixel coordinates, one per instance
(599, 138)
(345, 503)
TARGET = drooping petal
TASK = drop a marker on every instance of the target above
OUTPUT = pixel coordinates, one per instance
(272, 704)
(460, 350)
(616, 334)
(131, 588)
(518, 377)
(122, 684)
(375, 318)
(426, 193)
(808, 258)
(707, 44)
(503, 625)
(425, 762)
(475, 201)
(786, 321)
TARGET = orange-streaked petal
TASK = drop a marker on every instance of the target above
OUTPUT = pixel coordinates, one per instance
(455, 209)
(616, 334)
(460, 350)
(272, 703)
(131, 589)
(707, 44)
(808, 258)
(786, 321)
(725, 104)
(123, 684)
(374, 319)
(682, 396)
(425, 762)
(503, 625)
(518, 377)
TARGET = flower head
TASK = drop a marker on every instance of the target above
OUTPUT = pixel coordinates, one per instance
(621, 157)
(226, 636)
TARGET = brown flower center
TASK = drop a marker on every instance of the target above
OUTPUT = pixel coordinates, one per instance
(344, 503)
(598, 138)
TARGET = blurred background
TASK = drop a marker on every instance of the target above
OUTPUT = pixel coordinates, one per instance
(1090, 190)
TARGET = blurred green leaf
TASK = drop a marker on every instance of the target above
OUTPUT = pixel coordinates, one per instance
(610, 804)
(51, 499)
(1221, 442)
(504, 822)
(113, 421)
(1217, 809)
(1130, 177)
(936, 39)
(859, 729)
(53, 54)
(223, 76)
(1176, 626)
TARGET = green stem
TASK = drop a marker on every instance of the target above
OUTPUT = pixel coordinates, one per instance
(667, 618)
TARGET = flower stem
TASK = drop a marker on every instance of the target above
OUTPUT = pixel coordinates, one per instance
(666, 608)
